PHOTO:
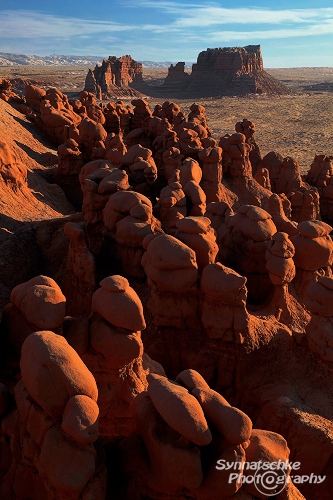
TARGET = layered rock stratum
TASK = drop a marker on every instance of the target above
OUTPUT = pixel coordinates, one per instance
(217, 72)
(225, 71)
(113, 76)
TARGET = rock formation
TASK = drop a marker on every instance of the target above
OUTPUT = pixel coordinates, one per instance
(224, 71)
(320, 175)
(219, 71)
(38, 304)
(176, 72)
(51, 111)
(53, 429)
(12, 171)
(7, 93)
(192, 321)
(114, 75)
(188, 421)
(114, 353)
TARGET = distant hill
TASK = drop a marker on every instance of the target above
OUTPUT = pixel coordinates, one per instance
(10, 59)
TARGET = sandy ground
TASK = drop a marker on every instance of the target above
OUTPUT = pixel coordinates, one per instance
(297, 125)
(38, 199)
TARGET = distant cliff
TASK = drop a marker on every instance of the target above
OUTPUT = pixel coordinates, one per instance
(114, 73)
(225, 71)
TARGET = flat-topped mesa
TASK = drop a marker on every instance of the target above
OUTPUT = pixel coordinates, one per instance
(225, 71)
(237, 59)
(114, 72)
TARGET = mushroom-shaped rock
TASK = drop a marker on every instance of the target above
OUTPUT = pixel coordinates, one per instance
(119, 304)
(321, 171)
(284, 173)
(120, 204)
(126, 201)
(314, 228)
(197, 198)
(168, 253)
(313, 245)
(253, 222)
(197, 233)
(279, 256)
(34, 92)
(169, 264)
(53, 372)
(190, 171)
(217, 212)
(136, 151)
(243, 242)
(221, 280)
(131, 230)
(91, 166)
(281, 246)
(80, 419)
(179, 409)
(117, 180)
(41, 301)
(193, 225)
(231, 422)
(91, 132)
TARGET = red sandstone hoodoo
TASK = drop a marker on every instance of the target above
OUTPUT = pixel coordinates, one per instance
(186, 319)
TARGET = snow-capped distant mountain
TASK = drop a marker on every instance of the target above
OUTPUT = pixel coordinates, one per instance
(10, 59)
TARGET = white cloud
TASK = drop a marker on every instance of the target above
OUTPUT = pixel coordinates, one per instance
(209, 16)
(188, 20)
(315, 30)
(324, 28)
(192, 15)
(170, 30)
(28, 24)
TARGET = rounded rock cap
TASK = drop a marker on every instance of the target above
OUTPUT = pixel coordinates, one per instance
(119, 304)
(41, 301)
(193, 224)
(314, 228)
(221, 280)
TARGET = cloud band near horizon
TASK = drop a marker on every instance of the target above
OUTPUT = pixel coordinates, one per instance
(187, 27)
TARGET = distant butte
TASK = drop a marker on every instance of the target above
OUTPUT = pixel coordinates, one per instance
(224, 71)
(114, 77)
(220, 72)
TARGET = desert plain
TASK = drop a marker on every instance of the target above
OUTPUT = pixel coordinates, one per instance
(297, 125)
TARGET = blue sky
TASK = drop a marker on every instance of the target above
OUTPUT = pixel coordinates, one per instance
(294, 35)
